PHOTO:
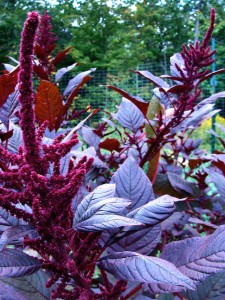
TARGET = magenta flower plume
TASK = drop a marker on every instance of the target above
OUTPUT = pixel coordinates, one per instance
(45, 40)
(26, 98)
(32, 177)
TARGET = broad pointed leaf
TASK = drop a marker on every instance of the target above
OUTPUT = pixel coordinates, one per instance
(212, 288)
(14, 233)
(155, 211)
(105, 222)
(59, 74)
(78, 80)
(40, 72)
(7, 220)
(218, 180)
(15, 263)
(129, 116)
(139, 102)
(155, 288)
(107, 206)
(102, 192)
(198, 257)
(196, 118)
(132, 183)
(60, 56)
(8, 84)
(211, 100)
(156, 80)
(9, 67)
(137, 239)
(31, 286)
(179, 184)
(49, 104)
(90, 137)
(110, 144)
(136, 267)
(9, 107)
(7, 292)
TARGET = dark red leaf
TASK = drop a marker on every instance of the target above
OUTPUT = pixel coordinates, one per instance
(172, 78)
(211, 75)
(6, 135)
(51, 48)
(140, 103)
(8, 83)
(49, 104)
(60, 56)
(153, 167)
(110, 144)
(39, 52)
(39, 70)
(177, 89)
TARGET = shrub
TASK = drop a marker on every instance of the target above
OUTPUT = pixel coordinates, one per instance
(127, 218)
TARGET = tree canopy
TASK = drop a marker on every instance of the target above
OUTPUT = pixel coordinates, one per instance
(114, 34)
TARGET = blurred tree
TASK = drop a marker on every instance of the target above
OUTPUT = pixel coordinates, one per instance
(13, 14)
(113, 34)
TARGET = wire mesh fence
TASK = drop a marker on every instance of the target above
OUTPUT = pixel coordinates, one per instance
(96, 94)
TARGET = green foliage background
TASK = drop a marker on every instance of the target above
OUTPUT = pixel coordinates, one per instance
(114, 34)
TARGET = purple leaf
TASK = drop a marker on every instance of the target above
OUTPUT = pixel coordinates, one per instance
(177, 59)
(175, 218)
(132, 183)
(180, 185)
(198, 257)
(31, 286)
(91, 138)
(9, 108)
(136, 267)
(207, 76)
(218, 180)
(14, 233)
(59, 74)
(129, 116)
(156, 80)
(9, 293)
(104, 207)
(156, 211)
(7, 220)
(211, 100)
(155, 288)
(105, 222)
(136, 239)
(194, 220)
(212, 288)
(102, 192)
(15, 263)
(9, 67)
(196, 118)
(76, 81)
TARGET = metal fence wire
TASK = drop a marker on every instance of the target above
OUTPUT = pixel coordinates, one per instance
(96, 94)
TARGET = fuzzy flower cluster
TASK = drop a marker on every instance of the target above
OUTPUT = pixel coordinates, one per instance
(45, 42)
(196, 58)
(26, 179)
